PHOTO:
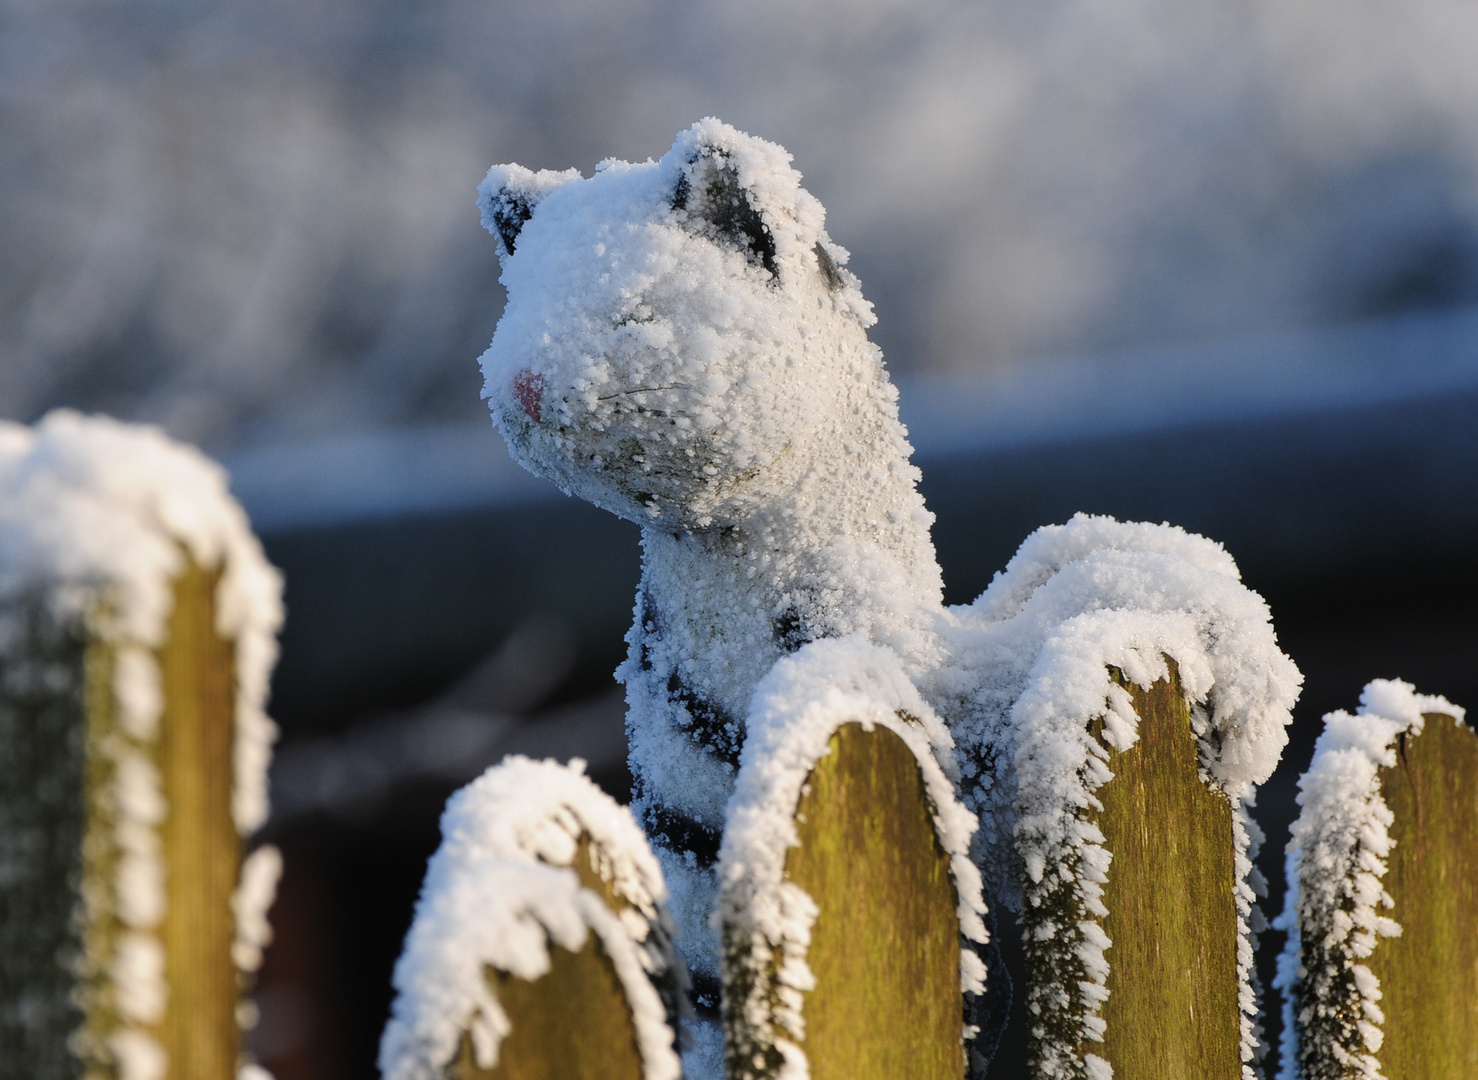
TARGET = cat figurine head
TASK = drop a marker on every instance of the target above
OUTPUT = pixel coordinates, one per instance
(682, 344)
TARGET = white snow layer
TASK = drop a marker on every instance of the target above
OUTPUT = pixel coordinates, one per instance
(1028, 672)
(98, 517)
(766, 919)
(499, 891)
(1332, 911)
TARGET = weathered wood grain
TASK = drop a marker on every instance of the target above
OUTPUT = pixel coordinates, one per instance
(1429, 974)
(885, 948)
(1172, 1009)
(202, 848)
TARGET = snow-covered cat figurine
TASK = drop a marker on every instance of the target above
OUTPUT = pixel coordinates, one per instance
(683, 346)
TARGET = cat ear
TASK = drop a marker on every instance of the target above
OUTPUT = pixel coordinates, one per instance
(717, 204)
(508, 195)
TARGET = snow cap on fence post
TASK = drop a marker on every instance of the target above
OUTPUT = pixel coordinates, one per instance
(811, 715)
(543, 900)
(138, 622)
(1380, 974)
(1090, 623)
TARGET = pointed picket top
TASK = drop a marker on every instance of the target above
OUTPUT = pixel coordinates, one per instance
(1380, 976)
(852, 915)
(541, 946)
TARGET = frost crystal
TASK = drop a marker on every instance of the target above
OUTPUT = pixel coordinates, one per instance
(97, 519)
(1336, 859)
(768, 919)
(501, 890)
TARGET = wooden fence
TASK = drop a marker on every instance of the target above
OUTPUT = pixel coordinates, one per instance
(850, 909)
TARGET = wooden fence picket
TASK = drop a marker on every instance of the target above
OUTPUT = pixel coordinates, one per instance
(1380, 975)
(541, 947)
(1429, 973)
(573, 1023)
(138, 630)
(1172, 982)
(885, 947)
(852, 917)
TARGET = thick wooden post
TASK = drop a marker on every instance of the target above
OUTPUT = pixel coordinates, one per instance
(1429, 974)
(137, 625)
(106, 973)
(885, 946)
(1172, 1008)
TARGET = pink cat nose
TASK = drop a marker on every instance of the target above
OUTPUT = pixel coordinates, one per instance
(528, 389)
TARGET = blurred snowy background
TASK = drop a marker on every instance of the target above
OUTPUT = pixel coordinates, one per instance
(253, 220)
(1210, 262)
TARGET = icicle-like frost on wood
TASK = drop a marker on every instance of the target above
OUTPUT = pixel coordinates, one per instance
(1029, 672)
(97, 519)
(499, 892)
(767, 920)
(1332, 1019)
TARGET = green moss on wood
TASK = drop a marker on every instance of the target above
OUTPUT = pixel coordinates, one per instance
(101, 925)
(41, 827)
(885, 948)
(1429, 975)
(1172, 1009)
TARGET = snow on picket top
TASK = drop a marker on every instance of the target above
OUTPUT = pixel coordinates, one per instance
(767, 920)
(499, 892)
(1029, 671)
(97, 519)
(1336, 860)
(683, 346)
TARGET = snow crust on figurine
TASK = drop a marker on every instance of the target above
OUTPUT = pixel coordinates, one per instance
(683, 346)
